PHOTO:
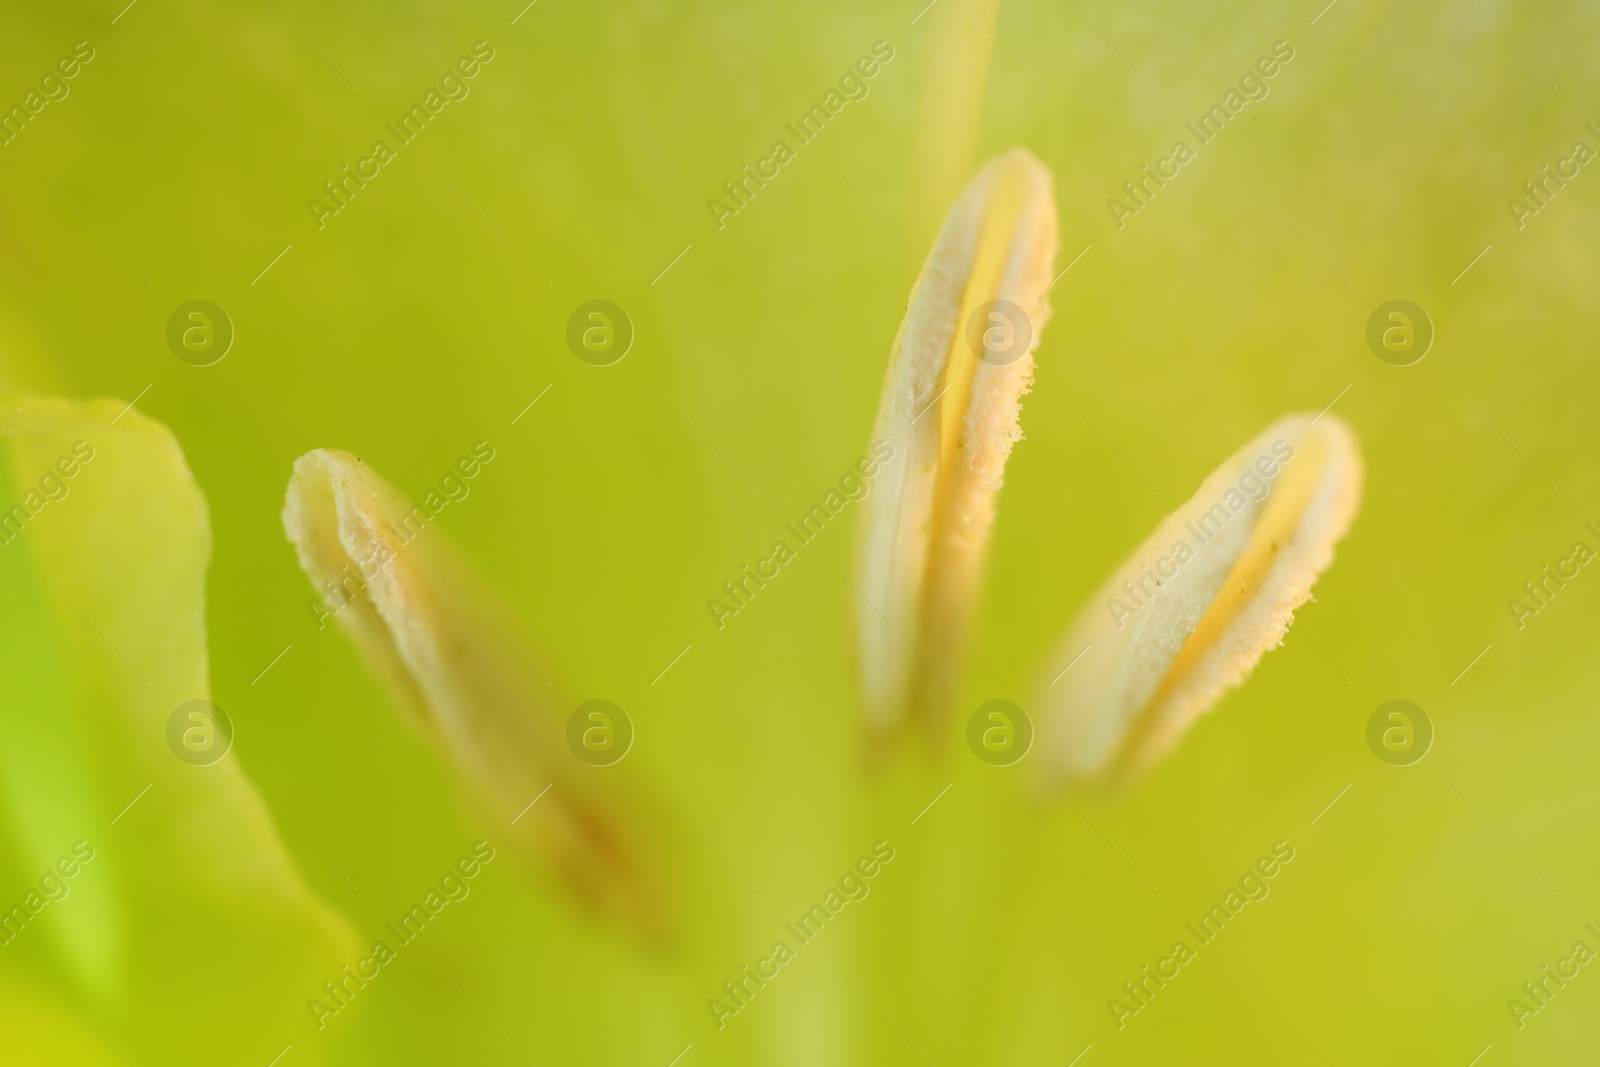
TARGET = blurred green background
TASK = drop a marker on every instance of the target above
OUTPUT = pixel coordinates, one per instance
(429, 312)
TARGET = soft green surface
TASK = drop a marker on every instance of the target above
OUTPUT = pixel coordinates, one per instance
(409, 328)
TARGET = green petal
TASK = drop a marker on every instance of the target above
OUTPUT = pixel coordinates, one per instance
(105, 571)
